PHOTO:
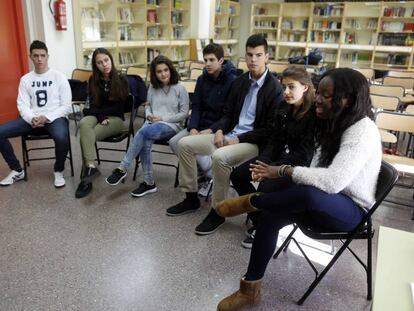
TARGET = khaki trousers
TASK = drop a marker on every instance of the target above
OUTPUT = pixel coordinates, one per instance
(223, 158)
(92, 131)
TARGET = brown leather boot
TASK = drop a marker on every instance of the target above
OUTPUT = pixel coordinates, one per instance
(249, 294)
(236, 206)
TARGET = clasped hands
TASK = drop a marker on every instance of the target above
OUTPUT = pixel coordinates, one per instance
(261, 171)
(152, 118)
(39, 121)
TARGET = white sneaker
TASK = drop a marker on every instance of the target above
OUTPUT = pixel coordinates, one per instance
(59, 180)
(204, 188)
(12, 178)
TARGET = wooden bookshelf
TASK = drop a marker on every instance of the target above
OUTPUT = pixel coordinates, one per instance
(134, 31)
(226, 27)
(349, 34)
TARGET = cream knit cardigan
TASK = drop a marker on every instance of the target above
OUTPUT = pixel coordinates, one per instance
(354, 169)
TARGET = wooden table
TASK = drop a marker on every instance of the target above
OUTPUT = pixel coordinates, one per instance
(395, 271)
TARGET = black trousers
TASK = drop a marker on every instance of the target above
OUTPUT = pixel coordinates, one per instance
(241, 179)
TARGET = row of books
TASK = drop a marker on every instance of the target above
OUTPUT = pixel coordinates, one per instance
(126, 58)
(289, 24)
(91, 13)
(324, 37)
(176, 17)
(152, 16)
(126, 15)
(399, 12)
(396, 40)
(391, 59)
(265, 23)
(327, 25)
(293, 37)
(397, 26)
(270, 36)
(356, 57)
(152, 53)
(357, 24)
(328, 10)
(153, 2)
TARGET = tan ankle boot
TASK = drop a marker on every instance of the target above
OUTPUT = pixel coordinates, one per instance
(236, 206)
(249, 294)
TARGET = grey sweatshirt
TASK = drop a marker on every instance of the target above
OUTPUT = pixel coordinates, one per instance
(171, 103)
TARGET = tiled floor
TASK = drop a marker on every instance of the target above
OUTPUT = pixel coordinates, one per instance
(110, 251)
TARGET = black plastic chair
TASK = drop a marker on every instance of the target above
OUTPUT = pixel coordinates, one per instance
(40, 134)
(386, 180)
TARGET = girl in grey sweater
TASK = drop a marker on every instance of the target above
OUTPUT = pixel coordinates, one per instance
(165, 113)
(334, 191)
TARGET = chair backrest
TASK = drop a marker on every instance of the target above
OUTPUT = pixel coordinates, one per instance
(390, 103)
(278, 68)
(137, 88)
(395, 121)
(401, 74)
(241, 64)
(79, 90)
(81, 74)
(386, 90)
(367, 72)
(410, 109)
(197, 65)
(189, 85)
(406, 83)
(195, 73)
(387, 178)
(138, 71)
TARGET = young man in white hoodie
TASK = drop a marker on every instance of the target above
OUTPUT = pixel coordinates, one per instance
(44, 101)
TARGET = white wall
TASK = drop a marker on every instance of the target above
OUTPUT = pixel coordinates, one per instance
(40, 25)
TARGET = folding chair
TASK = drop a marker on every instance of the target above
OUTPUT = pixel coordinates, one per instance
(387, 90)
(382, 102)
(367, 73)
(399, 123)
(386, 180)
(195, 73)
(79, 97)
(36, 135)
(406, 83)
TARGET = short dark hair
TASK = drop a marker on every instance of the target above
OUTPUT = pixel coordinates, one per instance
(36, 44)
(214, 48)
(256, 40)
(161, 59)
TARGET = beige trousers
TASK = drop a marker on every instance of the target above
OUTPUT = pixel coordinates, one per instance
(224, 159)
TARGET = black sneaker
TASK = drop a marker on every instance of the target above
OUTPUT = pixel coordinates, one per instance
(184, 207)
(210, 224)
(144, 189)
(90, 174)
(248, 242)
(83, 190)
(116, 177)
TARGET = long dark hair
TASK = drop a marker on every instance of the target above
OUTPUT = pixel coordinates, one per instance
(119, 87)
(161, 59)
(353, 86)
(303, 77)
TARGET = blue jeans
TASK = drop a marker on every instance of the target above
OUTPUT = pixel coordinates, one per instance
(141, 145)
(58, 129)
(290, 205)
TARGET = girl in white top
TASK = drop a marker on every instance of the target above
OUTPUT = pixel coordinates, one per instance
(334, 192)
(166, 110)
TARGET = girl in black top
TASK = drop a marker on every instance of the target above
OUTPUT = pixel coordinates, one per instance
(291, 141)
(108, 92)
